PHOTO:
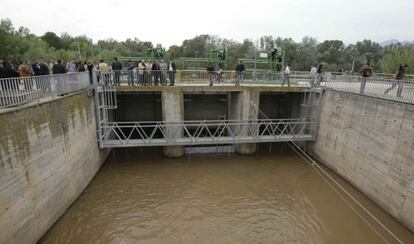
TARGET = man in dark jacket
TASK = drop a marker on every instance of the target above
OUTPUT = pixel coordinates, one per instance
(43, 68)
(116, 67)
(239, 73)
(130, 68)
(366, 72)
(36, 67)
(59, 68)
(211, 72)
(156, 73)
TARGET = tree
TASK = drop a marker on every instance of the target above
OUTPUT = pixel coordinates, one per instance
(175, 52)
(333, 53)
(396, 55)
(53, 40)
(6, 26)
(307, 53)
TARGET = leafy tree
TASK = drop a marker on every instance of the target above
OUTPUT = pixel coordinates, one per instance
(333, 54)
(53, 40)
(19, 43)
(396, 55)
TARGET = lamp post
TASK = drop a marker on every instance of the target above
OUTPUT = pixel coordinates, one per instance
(80, 56)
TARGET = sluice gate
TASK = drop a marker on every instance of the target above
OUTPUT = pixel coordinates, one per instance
(237, 112)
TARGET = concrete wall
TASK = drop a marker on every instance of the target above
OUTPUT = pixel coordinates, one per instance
(48, 155)
(370, 142)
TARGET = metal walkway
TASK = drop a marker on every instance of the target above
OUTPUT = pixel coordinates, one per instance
(141, 134)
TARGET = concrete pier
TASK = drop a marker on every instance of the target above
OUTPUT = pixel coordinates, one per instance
(173, 111)
(243, 106)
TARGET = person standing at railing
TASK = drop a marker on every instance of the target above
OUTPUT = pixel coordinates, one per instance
(81, 66)
(24, 73)
(211, 70)
(319, 75)
(239, 73)
(141, 69)
(43, 83)
(219, 76)
(163, 68)
(172, 68)
(51, 63)
(103, 70)
(57, 69)
(90, 68)
(72, 66)
(312, 76)
(155, 70)
(130, 68)
(41, 67)
(36, 67)
(24, 70)
(116, 67)
(366, 72)
(147, 73)
(399, 77)
(286, 77)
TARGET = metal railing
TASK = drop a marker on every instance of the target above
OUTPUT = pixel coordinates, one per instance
(162, 133)
(197, 77)
(20, 90)
(384, 88)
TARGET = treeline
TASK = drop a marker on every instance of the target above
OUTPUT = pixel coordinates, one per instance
(18, 44)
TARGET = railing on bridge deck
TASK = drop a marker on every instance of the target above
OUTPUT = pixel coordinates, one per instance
(380, 87)
(200, 77)
(162, 133)
(20, 90)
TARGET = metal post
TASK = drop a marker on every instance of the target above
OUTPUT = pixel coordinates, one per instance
(80, 56)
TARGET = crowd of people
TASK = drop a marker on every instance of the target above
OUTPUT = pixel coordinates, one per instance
(140, 73)
(9, 69)
(160, 72)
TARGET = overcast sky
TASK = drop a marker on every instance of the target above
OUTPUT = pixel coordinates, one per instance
(171, 21)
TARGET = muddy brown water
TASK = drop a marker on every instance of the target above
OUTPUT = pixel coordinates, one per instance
(139, 196)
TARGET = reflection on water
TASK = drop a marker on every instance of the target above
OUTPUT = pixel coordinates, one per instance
(142, 197)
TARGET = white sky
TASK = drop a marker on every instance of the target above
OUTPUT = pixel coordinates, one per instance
(171, 21)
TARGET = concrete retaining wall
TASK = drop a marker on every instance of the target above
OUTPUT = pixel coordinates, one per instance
(370, 142)
(48, 155)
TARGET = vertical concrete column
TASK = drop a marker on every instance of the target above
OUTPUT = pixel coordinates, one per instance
(173, 111)
(240, 108)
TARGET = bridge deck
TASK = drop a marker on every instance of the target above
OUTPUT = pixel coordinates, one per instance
(205, 141)
(226, 87)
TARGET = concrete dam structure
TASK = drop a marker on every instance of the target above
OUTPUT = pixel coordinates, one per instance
(51, 147)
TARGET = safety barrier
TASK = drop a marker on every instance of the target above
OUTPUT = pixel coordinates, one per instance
(384, 88)
(20, 90)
